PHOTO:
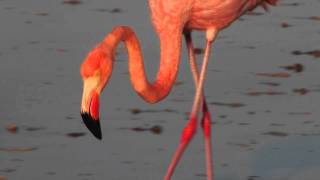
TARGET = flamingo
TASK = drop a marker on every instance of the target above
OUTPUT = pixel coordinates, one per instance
(171, 19)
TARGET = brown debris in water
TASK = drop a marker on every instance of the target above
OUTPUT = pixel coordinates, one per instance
(294, 67)
(156, 129)
(253, 177)
(300, 113)
(269, 93)
(28, 22)
(8, 170)
(139, 129)
(277, 124)
(18, 149)
(112, 11)
(76, 134)
(135, 111)
(241, 145)
(285, 25)
(251, 112)
(138, 111)
(72, 2)
(12, 128)
(224, 165)
(275, 74)
(116, 10)
(276, 133)
(3, 178)
(69, 117)
(309, 134)
(314, 18)
(85, 174)
(301, 91)
(232, 105)
(223, 116)
(273, 84)
(291, 4)
(314, 53)
(243, 124)
(101, 10)
(51, 173)
(31, 129)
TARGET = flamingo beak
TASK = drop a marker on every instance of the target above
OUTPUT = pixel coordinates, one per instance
(90, 109)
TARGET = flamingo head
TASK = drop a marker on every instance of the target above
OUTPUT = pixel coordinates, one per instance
(95, 71)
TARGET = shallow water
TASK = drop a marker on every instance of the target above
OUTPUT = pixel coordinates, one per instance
(265, 126)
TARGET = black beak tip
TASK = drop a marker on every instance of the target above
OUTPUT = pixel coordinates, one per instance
(92, 124)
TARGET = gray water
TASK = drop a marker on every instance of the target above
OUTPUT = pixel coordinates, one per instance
(264, 128)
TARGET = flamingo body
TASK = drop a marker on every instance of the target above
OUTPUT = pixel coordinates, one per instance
(201, 14)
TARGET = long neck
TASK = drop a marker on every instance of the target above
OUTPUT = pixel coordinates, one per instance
(170, 46)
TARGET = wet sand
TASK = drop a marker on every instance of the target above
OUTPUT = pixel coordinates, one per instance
(264, 106)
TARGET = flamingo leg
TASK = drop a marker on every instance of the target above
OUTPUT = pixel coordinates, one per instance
(206, 127)
(206, 117)
(186, 136)
(190, 129)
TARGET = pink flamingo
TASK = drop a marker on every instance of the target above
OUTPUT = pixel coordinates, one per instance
(171, 19)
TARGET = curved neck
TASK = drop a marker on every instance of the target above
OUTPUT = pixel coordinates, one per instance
(170, 46)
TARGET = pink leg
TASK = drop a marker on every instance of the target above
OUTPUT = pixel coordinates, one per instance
(206, 118)
(206, 127)
(186, 137)
(190, 129)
